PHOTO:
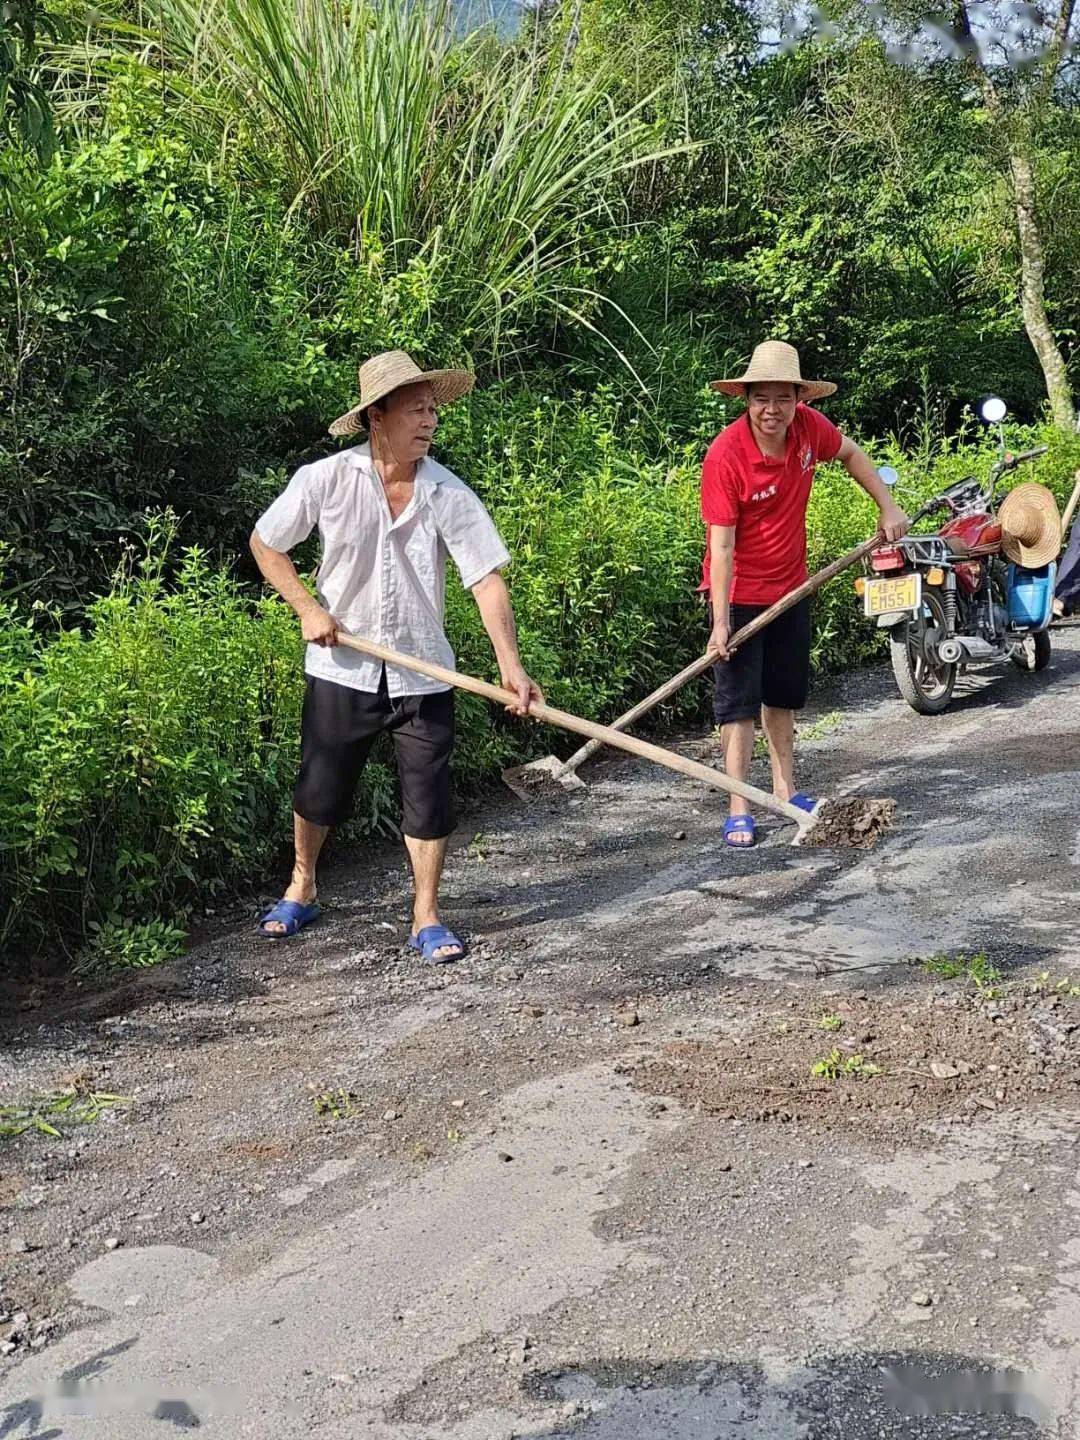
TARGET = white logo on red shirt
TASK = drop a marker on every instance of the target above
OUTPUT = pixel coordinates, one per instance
(806, 459)
(764, 494)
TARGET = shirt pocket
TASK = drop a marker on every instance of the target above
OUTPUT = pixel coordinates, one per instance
(421, 559)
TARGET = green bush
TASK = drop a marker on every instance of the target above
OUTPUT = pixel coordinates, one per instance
(130, 945)
(146, 755)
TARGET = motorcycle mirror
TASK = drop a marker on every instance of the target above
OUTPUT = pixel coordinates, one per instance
(887, 475)
(993, 410)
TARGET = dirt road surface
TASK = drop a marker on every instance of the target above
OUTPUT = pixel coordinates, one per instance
(587, 1183)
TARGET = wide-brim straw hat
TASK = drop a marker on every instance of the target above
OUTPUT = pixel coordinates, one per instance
(1030, 525)
(775, 360)
(387, 372)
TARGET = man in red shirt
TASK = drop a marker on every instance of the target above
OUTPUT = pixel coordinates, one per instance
(755, 485)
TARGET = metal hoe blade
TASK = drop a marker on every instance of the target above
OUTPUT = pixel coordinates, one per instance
(542, 779)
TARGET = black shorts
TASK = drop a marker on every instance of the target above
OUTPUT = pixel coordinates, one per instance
(339, 727)
(771, 669)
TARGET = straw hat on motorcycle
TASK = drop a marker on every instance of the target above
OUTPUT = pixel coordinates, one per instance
(1030, 525)
(774, 360)
(389, 371)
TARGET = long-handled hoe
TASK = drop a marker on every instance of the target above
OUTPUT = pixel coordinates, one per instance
(860, 831)
(860, 819)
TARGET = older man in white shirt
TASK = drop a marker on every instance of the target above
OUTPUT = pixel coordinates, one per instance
(387, 516)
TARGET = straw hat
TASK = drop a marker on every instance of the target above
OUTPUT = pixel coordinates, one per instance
(389, 371)
(775, 360)
(1030, 525)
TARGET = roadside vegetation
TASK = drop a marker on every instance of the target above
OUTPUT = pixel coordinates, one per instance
(212, 211)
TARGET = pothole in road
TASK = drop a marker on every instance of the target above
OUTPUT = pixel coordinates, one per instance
(889, 1396)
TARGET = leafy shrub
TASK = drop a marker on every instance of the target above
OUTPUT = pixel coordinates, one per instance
(154, 346)
(128, 945)
(146, 755)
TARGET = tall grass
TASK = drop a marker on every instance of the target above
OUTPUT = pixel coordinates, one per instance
(494, 166)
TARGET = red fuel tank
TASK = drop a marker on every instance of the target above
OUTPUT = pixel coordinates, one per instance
(981, 534)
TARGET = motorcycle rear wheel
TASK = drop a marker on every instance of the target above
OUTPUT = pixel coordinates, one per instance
(927, 688)
(1037, 658)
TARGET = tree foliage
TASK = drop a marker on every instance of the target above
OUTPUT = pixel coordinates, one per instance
(25, 111)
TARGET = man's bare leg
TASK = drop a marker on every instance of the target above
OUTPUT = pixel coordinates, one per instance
(737, 738)
(779, 726)
(427, 858)
(308, 840)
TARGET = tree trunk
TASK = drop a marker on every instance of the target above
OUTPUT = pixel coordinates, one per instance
(1022, 176)
(1033, 292)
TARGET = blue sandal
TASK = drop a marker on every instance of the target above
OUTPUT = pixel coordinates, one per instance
(434, 937)
(293, 914)
(740, 825)
(804, 802)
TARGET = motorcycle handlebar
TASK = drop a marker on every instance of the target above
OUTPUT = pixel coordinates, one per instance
(1011, 461)
(938, 503)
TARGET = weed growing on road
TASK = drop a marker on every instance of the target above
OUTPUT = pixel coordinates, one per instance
(822, 726)
(977, 968)
(1045, 984)
(46, 1114)
(338, 1104)
(816, 730)
(836, 1066)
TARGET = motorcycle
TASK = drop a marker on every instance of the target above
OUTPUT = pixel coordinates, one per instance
(951, 600)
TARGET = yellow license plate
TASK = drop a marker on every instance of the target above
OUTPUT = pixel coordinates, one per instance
(883, 596)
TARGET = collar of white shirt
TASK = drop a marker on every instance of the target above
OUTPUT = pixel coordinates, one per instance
(429, 473)
(429, 476)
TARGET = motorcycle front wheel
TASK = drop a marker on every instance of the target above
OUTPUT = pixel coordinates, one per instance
(927, 687)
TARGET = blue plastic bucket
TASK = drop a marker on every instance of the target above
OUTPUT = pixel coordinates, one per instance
(1031, 596)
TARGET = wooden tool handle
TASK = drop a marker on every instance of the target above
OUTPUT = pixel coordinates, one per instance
(671, 687)
(603, 733)
(1070, 510)
(705, 662)
(808, 587)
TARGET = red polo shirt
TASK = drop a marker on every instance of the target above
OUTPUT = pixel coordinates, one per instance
(765, 500)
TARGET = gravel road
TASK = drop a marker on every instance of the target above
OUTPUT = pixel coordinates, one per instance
(587, 1183)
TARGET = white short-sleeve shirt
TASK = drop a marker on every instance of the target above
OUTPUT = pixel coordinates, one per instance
(384, 579)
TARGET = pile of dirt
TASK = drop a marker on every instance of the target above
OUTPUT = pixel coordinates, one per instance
(855, 824)
(541, 780)
(877, 1062)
